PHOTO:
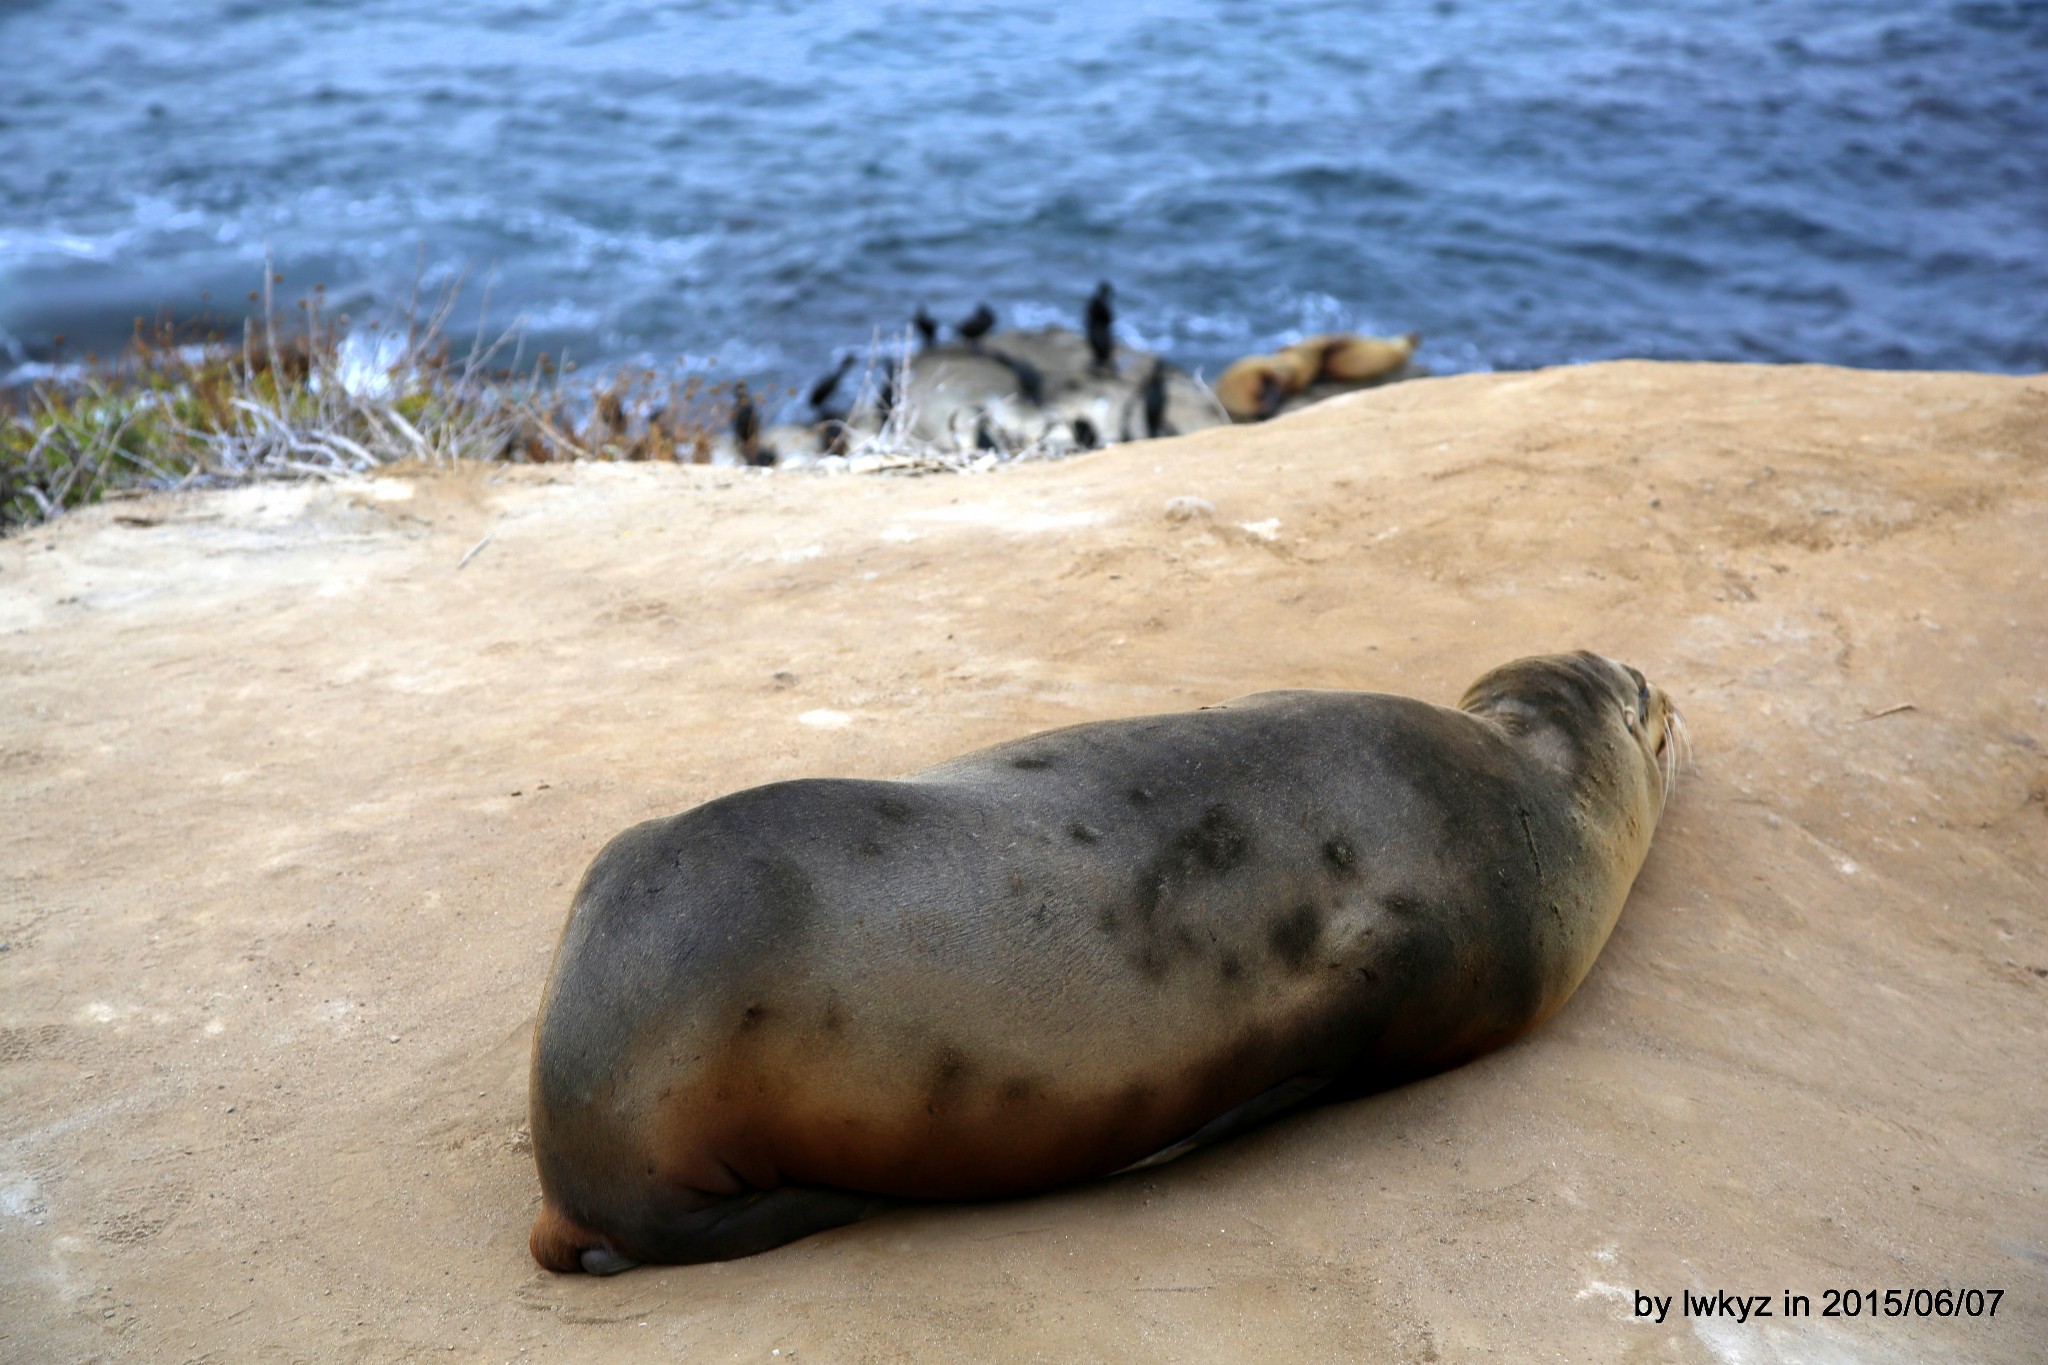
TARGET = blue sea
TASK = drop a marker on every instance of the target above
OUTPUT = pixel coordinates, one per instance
(755, 185)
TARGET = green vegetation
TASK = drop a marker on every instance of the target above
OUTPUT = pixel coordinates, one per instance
(292, 400)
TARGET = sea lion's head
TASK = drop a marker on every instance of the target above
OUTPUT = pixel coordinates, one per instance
(1611, 730)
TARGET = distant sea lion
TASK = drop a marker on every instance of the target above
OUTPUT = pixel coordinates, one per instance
(1252, 389)
(1071, 954)
(1351, 359)
(1303, 362)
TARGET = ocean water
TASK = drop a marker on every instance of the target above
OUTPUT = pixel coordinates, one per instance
(753, 185)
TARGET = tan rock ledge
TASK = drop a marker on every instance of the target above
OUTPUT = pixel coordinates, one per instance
(280, 783)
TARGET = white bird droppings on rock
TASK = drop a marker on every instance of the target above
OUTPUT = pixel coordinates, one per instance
(1269, 529)
(825, 720)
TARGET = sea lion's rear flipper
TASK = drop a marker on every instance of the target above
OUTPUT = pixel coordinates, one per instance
(1253, 1112)
(751, 1223)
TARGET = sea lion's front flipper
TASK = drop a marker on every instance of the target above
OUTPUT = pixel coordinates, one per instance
(752, 1223)
(604, 1261)
(1253, 1112)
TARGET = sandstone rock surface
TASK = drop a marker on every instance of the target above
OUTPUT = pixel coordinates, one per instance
(295, 783)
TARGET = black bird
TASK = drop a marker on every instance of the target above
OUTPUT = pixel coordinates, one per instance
(1084, 434)
(821, 392)
(1102, 328)
(1030, 379)
(746, 424)
(927, 327)
(1155, 402)
(977, 325)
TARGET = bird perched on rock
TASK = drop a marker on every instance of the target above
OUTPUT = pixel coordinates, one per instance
(822, 391)
(927, 327)
(977, 325)
(1102, 328)
(1155, 402)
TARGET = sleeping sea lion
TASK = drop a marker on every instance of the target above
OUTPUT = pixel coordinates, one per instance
(1074, 953)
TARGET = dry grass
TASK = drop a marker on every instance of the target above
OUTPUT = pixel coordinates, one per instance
(305, 396)
(301, 396)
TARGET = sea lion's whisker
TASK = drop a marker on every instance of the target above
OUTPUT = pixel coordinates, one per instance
(1676, 751)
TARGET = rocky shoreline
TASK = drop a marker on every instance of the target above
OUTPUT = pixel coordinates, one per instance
(1039, 393)
(302, 397)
